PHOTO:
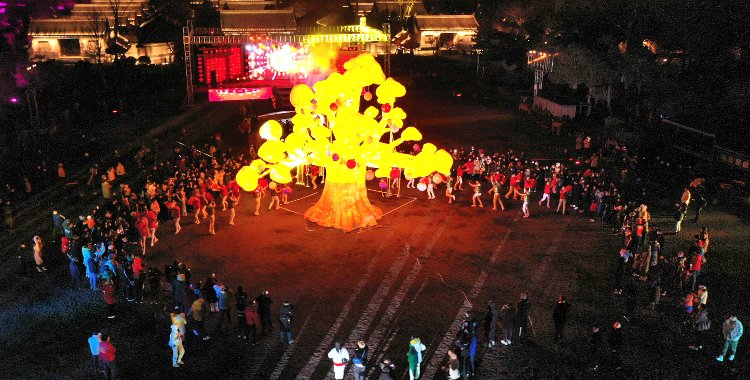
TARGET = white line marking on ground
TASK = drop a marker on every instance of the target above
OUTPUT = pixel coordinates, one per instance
(301, 198)
(540, 270)
(298, 199)
(375, 302)
(449, 337)
(398, 298)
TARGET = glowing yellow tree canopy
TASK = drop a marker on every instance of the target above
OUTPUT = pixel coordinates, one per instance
(329, 131)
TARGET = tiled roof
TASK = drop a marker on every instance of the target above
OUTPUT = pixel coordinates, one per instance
(401, 6)
(250, 5)
(59, 28)
(447, 22)
(247, 21)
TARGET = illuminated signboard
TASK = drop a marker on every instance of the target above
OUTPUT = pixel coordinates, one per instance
(227, 94)
(271, 61)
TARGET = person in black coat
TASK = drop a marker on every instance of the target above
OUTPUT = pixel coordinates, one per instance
(509, 323)
(264, 311)
(595, 349)
(615, 343)
(386, 368)
(560, 316)
(490, 324)
(523, 310)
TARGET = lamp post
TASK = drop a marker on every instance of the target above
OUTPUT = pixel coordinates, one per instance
(31, 98)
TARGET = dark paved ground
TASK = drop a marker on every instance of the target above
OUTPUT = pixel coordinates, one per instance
(415, 274)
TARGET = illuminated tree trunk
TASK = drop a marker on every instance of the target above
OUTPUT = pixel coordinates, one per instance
(344, 206)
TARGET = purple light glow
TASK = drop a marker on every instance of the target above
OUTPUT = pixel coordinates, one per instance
(13, 100)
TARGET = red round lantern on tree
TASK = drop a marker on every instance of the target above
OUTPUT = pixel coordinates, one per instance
(395, 173)
(386, 108)
(334, 107)
(351, 164)
(335, 157)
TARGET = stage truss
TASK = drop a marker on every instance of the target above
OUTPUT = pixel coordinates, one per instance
(359, 34)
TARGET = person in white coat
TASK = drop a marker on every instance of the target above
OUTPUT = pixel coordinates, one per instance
(175, 341)
(340, 357)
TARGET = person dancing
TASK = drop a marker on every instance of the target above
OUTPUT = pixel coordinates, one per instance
(477, 186)
(495, 191)
(449, 190)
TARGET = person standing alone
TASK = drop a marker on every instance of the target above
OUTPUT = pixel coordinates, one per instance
(732, 329)
(560, 316)
(286, 317)
(340, 356)
(175, 341)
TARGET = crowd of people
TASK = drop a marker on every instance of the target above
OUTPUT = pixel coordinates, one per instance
(107, 249)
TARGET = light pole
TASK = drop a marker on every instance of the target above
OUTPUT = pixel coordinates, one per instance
(31, 99)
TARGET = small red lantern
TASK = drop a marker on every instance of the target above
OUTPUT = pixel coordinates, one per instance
(334, 107)
(351, 164)
(335, 157)
(386, 108)
(395, 173)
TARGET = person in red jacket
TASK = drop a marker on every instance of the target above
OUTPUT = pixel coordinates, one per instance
(547, 192)
(224, 191)
(142, 226)
(107, 356)
(234, 188)
(153, 224)
(253, 323)
(110, 297)
(137, 270)
(564, 198)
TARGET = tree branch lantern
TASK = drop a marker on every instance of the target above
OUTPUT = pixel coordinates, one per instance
(330, 132)
(541, 63)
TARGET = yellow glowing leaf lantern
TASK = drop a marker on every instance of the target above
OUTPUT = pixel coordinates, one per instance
(428, 149)
(258, 166)
(389, 91)
(271, 130)
(302, 122)
(443, 162)
(382, 172)
(280, 174)
(301, 95)
(294, 142)
(411, 134)
(367, 64)
(247, 178)
(320, 133)
(272, 185)
(371, 112)
(272, 151)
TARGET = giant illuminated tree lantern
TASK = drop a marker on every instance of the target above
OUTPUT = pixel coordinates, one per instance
(330, 132)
